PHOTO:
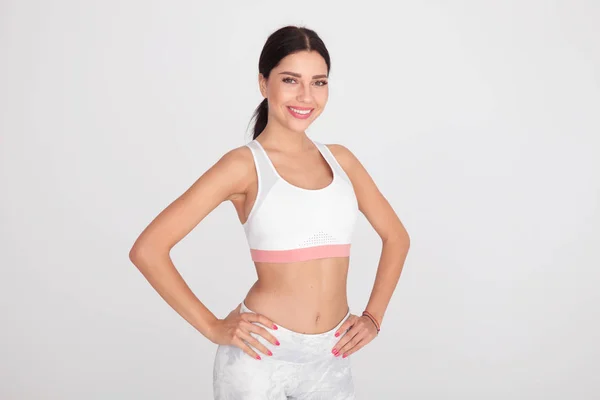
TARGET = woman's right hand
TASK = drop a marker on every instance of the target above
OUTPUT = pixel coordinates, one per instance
(235, 330)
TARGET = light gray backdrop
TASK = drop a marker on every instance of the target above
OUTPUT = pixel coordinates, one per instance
(479, 121)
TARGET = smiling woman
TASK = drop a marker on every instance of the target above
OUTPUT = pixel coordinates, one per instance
(296, 84)
(298, 200)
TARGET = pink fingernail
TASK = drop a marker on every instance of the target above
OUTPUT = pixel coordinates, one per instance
(277, 342)
(334, 351)
(258, 357)
(269, 351)
(274, 326)
(337, 334)
(344, 356)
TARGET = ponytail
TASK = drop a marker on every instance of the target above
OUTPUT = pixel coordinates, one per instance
(261, 115)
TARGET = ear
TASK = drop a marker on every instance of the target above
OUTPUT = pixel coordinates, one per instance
(262, 85)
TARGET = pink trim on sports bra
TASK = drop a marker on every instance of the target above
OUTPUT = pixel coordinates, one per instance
(303, 254)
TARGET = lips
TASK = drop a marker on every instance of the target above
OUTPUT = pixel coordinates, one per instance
(302, 112)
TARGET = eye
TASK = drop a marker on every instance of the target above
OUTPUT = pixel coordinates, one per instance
(321, 83)
(288, 79)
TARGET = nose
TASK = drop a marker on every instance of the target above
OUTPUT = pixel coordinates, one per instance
(304, 93)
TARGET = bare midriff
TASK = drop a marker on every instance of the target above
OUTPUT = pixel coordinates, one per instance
(306, 297)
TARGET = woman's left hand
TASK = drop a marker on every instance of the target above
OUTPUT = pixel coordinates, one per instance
(361, 331)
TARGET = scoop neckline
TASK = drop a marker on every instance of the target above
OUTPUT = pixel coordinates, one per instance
(334, 174)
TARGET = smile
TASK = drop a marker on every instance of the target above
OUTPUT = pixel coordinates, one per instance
(300, 113)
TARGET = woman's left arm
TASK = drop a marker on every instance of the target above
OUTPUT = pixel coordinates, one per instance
(395, 245)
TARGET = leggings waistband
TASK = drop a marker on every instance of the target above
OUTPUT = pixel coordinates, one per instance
(299, 347)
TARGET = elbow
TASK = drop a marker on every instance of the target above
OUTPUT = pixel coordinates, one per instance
(400, 238)
(406, 239)
(142, 253)
(137, 254)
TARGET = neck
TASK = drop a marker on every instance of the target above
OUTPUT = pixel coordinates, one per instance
(284, 139)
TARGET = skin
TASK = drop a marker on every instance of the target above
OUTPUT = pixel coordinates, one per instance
(307, 297)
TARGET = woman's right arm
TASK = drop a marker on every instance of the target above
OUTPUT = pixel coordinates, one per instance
(225, 180)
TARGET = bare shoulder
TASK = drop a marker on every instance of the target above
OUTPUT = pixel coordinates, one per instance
(371, 202)
(237, 167)
(344, 156)
(364, 186)
(238, 157)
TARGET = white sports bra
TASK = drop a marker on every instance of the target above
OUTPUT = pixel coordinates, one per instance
(290, 224)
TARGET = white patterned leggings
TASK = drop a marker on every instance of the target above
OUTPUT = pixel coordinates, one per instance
(301, 368)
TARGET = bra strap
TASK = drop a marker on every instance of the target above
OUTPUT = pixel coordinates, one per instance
(267, 176)
(333, 163)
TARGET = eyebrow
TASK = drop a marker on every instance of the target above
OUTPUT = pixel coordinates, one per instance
(300, 76)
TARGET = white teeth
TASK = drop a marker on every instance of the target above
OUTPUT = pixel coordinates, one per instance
(303, 112)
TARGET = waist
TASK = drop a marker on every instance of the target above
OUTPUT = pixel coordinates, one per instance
(306, 297)
(300, 347)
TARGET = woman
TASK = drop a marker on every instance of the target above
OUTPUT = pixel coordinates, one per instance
(297, 200)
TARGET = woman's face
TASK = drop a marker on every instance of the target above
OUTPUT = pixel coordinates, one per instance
(296, 90)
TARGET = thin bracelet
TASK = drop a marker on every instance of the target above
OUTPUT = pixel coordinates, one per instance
(368, 314)
(372, 318)
(365, 314)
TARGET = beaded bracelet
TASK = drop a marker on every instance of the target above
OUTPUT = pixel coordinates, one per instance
(372, 318)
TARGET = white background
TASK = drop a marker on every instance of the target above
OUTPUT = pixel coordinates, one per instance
(479, 121)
